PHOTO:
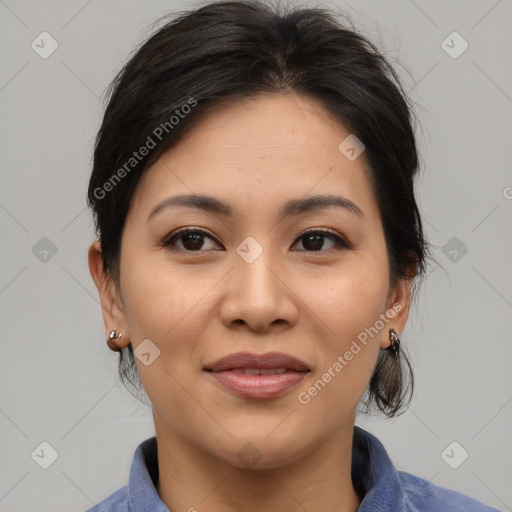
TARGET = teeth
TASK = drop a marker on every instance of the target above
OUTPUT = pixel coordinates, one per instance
(269, 371)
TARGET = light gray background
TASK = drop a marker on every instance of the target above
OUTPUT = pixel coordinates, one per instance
(58, 379)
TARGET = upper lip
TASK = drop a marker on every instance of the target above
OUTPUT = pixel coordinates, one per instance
(259, 361)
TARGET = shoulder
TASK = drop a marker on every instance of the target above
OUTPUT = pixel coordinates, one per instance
(422, 495)
(116, 502)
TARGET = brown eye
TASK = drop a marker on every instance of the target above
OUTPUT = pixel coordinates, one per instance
(313, 240)
(191, 240)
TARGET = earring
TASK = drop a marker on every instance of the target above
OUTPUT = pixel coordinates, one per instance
(112, 345)
(395, 342)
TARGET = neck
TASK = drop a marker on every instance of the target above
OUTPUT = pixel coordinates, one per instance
(192, 480)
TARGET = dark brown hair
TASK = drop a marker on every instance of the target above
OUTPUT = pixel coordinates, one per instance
(230, 50)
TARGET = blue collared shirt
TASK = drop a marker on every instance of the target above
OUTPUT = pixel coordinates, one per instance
(374, 475)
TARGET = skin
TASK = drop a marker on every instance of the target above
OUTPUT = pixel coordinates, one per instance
(200, 305)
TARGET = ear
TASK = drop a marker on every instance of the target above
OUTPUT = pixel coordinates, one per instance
(400, 302)
(111, 303)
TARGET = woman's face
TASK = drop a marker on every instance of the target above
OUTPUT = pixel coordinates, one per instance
(253, 281)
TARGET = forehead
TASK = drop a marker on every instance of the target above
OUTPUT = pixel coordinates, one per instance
(256, 154)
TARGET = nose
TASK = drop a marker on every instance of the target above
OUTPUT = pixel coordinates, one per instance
(259, 295)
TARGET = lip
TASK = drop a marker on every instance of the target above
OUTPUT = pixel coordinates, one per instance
(229, 372)
(268, 360)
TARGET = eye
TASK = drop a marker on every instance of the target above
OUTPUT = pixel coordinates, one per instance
(192, 240)
(313, 240)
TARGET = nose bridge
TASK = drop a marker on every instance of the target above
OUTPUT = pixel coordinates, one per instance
(253, 264)
(256, 294)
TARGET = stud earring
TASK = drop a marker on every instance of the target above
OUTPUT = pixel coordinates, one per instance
(112, 345)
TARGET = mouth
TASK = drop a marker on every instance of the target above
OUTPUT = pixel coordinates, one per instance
(258, 376)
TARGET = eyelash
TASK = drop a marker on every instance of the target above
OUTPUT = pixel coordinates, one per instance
(340, 242)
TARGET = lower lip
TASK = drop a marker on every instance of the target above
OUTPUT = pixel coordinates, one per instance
(258, 386)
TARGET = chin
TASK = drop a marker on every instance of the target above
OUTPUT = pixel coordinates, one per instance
(258, 451)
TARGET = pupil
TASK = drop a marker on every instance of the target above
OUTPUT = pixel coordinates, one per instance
(196, 240)
(317, 242)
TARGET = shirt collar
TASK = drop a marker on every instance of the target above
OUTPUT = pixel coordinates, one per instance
(142, 493)
(374, 476)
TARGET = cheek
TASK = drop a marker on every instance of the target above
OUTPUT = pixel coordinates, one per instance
(350, 299)
(346, 352)
(164, 306)
(167, 304)
(157, 295)
(348, 314)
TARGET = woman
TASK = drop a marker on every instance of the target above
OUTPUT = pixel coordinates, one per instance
(258, 243)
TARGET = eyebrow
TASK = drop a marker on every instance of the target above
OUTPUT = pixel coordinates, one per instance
(290, 208)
